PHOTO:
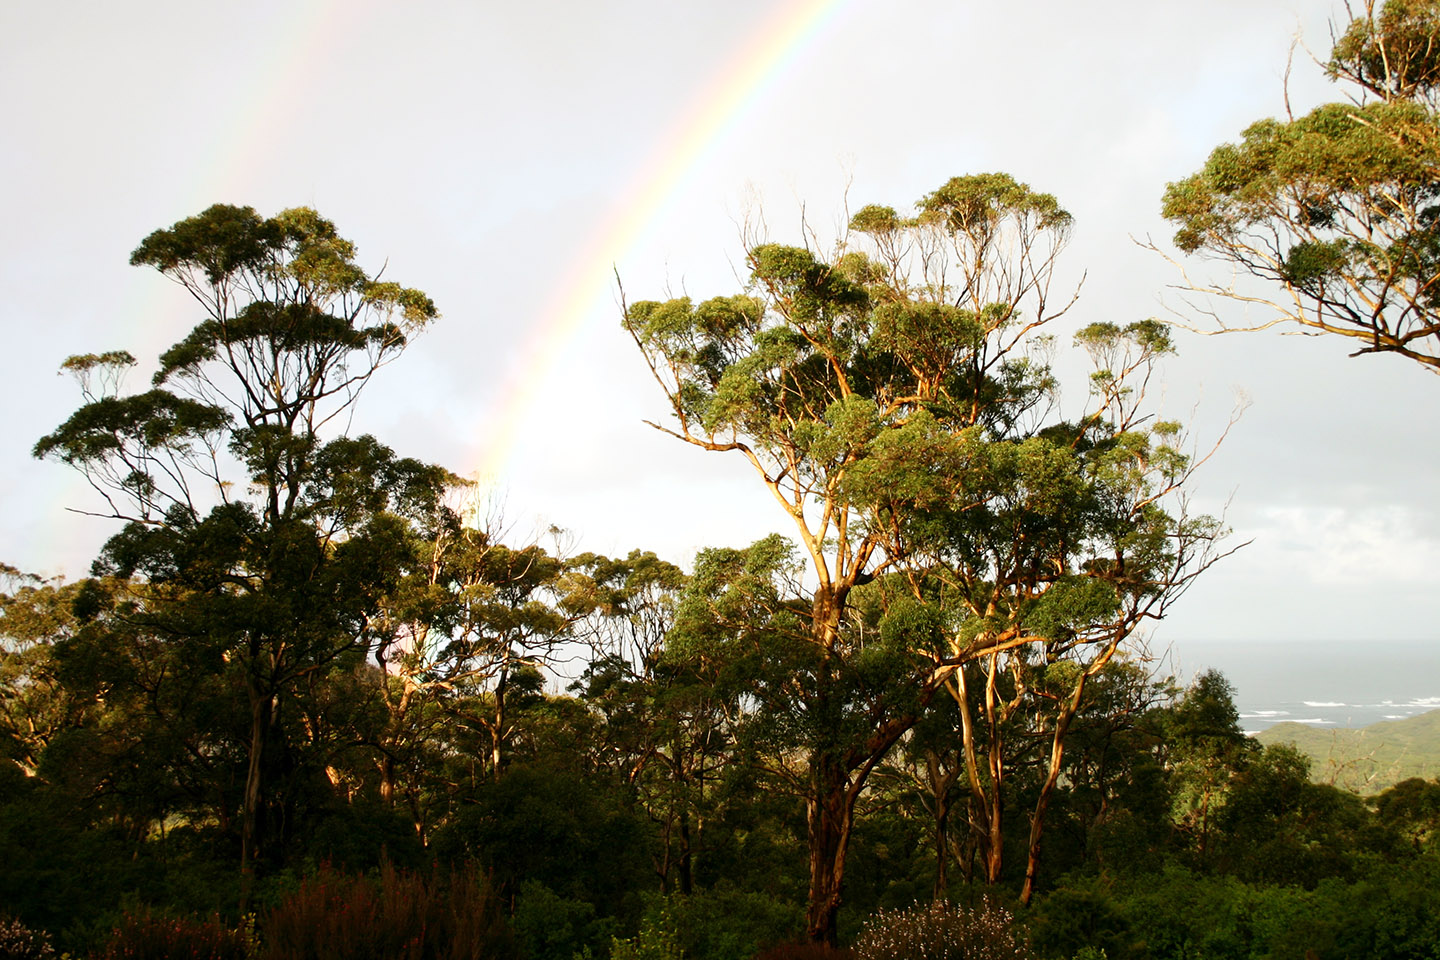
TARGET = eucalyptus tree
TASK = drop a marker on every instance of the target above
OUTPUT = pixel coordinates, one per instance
(895, 398)
(261, 530)
(1205, 749)
(35, 614)
(667, 721)
(491, 613)
(1337, 211)
(1048, 545)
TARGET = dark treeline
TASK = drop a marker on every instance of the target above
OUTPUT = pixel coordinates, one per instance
(658, 805)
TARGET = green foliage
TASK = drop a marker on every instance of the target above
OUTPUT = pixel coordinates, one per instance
(1176, 914)
(35, 705)
(894, 397)
(1206, 749)
(1278, 827)
(658, 938)
(320, 663)
(363, 835)
(875, 219)
(1412, 807)
(232, 597)
(942, 931)
(1079, 917)
(1338, 207)
(576, 836)
(64, 873)
(1179, 914)
(550, 927)
(981, 203)
(725, 923)
(1394, 55)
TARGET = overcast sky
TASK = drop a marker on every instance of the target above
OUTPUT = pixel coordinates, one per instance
(501, 157)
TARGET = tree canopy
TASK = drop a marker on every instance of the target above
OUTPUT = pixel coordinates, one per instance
(1339, 208)
(895, 397)
(257, 536)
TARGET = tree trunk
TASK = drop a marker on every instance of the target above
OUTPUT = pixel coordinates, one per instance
(1068, 708)
(829, 813)
(987, 803)
(835, 788)
(1042, 803)
(940, 789)
(252, 823)
(497, 732)
(687, 879)
(387, 779)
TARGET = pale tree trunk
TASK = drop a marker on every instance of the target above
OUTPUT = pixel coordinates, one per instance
(251, 826)
(987, 806)
(1042, 803)
(1068, 707)
(497, 730)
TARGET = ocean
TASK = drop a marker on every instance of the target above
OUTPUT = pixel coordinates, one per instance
(1326, 683)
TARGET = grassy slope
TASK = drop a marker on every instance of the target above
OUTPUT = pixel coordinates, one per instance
(1366, 759)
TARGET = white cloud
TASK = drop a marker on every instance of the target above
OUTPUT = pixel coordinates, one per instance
(1332, 545)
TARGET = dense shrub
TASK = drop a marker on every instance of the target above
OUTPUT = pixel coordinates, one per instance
(146, 937)
(719, 924)
(658, 939)
(582, 839)
(551, 927)
(1180, 914)
(19, 942)
(1079, 916)
(942, 931)
(362, 835)
(1390, 915)
(397, 916)
(806, 951)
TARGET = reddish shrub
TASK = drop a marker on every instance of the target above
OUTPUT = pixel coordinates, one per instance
(145, 937)
(396, 916)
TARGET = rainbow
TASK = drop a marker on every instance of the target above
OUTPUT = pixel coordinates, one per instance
(587, 291)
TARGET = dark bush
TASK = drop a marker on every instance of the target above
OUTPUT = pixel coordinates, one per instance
(146, 937)
(396, 916)
(806, 951)
(1078, 916)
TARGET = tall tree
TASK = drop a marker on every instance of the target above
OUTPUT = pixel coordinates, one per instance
(1338, 208)
(263, 531)
(1205, 749)
(1050, 544)
(893, 397)
(666, 722)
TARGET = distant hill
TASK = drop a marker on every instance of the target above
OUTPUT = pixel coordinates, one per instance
(1366, 759)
